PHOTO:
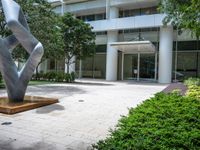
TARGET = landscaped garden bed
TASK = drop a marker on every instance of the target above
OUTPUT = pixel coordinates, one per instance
(55, 76)
(166, 121)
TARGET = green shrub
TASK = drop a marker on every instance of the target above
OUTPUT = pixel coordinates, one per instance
(73, 76)
(166, 122)
(50, 76)
(60, 76)
(193, 91)
(55, 76)
(192, 81)
(193, 85)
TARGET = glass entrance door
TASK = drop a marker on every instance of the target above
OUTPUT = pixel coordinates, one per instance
(139, 66)
(147, 66)
(130, 66)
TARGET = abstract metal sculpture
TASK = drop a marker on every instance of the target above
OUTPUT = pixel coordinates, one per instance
(17, 81)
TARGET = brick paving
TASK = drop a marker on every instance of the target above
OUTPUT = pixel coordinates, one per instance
(176, 86)
(87, 110)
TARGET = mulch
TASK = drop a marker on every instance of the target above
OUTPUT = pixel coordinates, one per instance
(176, 86)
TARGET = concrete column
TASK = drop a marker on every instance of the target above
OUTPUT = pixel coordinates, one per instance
(112, 54)
(165, 54)
(111, 12)
(114, 12)
(71, 66)
(112, 57)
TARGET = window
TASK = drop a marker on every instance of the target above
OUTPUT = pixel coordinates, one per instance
(92, 17)
(138, 12)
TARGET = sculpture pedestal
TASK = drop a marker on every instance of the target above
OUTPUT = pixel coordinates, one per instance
(30, 102)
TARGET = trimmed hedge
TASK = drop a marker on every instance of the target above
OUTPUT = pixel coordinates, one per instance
(55, 76)
(166, 121)
(192, 81)
(193, 87)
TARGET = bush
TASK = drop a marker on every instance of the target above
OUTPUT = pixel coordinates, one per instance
(55, 76)
(162, 122)
(193, 85)
(192, 81)
(193, 91)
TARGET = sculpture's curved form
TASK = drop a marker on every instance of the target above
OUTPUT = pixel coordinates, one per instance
(17, 81)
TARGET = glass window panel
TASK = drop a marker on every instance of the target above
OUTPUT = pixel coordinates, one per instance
(99, 66)
(187, 64)
(87, 68)
(90, 18)
(130, 66)
(147, 66)
(99, 16)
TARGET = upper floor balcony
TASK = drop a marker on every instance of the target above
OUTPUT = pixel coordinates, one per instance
(144, 21)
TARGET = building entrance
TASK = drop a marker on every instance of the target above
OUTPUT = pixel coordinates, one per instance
(139, 66)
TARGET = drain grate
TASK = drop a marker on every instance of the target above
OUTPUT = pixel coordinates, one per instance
(81, 100)
(6, 123)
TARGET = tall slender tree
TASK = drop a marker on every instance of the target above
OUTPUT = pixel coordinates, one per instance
(79, 40)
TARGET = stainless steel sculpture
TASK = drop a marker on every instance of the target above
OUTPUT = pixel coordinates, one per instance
(17, 81)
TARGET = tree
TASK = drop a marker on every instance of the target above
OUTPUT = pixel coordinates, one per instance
(185, 14)
(79, 40)
(43, 23)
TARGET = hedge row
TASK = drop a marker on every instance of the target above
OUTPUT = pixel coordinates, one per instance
(164, 122)
(193, 87)
(55, 76)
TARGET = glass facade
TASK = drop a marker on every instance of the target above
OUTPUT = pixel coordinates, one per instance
(186, 60)
(151, 34)
(130, 66)
(55, 65)
(94, 67)
(147, 66)
(93, 17)
(138, 12)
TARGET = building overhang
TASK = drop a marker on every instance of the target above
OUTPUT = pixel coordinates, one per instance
(133, 47)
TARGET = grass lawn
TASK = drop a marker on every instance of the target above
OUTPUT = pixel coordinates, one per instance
(41, 82)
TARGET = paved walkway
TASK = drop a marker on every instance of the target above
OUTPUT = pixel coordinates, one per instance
(87, 110)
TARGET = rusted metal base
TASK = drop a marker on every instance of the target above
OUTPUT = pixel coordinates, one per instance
(30, 102)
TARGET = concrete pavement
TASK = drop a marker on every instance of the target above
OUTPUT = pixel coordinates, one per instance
(87, 110)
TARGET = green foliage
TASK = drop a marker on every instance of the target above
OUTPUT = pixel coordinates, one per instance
(55, 76)
(182, 13)
(163, 122)
(79, 40)
(43, 24)
(194, 91)
(192, 81)
(193, 85)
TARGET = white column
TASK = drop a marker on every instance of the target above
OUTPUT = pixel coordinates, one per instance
(138, 67)
(107, 9)
(112, 57)
(114, 12)
(71, 66)
(122, 71)
(112, 54)
(165, 54)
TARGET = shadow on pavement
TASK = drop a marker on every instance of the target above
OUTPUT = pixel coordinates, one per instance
(55, 90)
(49, 109)
(36, 146)
(93, 83)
